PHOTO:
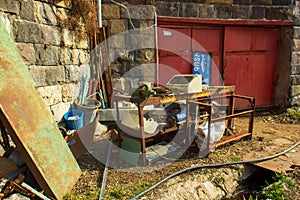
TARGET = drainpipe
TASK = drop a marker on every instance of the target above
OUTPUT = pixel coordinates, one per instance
(99, 13)
(156, 46)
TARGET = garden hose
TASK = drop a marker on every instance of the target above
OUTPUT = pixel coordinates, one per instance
(211, 165)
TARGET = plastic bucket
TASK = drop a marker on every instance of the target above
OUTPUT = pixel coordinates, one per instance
(74, 119)
(88, 108)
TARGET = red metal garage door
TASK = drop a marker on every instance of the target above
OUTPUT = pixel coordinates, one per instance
(174, 52)
(250, 58)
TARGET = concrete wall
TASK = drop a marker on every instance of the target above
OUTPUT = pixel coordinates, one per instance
(52, 53)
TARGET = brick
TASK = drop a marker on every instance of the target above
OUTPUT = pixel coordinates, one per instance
(110, 11)
(206, 11)
(38, 74)
(189, 10)
(224, 11)
(27, 32)
(117, 26)
(241, 12)
(225, 2)
(51, 35)
(51, 94)
(46, 55)
(27, 52)
(279, 13)
(258, 12)
(170, 9)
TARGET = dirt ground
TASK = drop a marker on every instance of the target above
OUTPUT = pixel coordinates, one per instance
(272, 134)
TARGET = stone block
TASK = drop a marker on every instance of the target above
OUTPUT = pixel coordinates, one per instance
(44, 14)
(51, 35)
(6, 21)
(243, 2)
(46, 55)
(141, 41)
(83, 56)
(27, 32)
(117, 26)
(279, 13)
(226, 2)
(11, 6)
(241, 12)
(118, 41)
(27, 52)
(38, 74)
(58, 110)
(82, 41)
(110, 11)
(72, 73)
(189, 10)
(67, 37)
(206, 11)
(282, 2)
(262, 2)
(295, 79)
(55, 75)
(27, 10)
(223, 11)
(258, 12)
(295, 58)
(137, 12)
(296, 45)
(296, 32)
(65, 56)
(295, 69)
(68, 92)
(51, 94)
(170, 9)
(295, 90)
(75, 56)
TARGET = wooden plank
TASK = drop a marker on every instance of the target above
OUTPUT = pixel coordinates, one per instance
(31, 125)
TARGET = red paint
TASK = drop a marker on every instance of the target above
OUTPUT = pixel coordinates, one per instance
(251, 67)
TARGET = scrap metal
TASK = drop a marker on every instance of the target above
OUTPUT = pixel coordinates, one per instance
(31, 125)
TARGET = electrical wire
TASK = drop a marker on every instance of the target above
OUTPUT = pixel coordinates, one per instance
(212, 165)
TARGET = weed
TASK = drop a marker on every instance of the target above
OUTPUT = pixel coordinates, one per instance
(236, 158)
(280, 188)
(117, 193)
(293, 112)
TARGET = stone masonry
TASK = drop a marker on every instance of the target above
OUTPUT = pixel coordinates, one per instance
(52, 53)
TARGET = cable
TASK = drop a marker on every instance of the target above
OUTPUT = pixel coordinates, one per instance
(211, 165)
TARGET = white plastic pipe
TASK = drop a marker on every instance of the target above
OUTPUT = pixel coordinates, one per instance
(100, 13)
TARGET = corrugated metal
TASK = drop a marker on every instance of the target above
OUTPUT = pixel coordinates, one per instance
(31, 126)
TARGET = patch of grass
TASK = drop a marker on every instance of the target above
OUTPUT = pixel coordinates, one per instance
(117, 193)
(236, 158)
(280, 188)
(293, 112)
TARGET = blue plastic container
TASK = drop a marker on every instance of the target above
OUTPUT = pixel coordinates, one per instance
(74, 119)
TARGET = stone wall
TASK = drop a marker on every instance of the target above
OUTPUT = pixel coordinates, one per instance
(295, 61)
(52, 53)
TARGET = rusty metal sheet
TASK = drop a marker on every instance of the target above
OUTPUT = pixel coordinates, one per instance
(31, 126)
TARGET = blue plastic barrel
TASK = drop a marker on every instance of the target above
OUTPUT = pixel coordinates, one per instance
(74, 119)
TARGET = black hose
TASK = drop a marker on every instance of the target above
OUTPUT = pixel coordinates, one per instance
(211, 165)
